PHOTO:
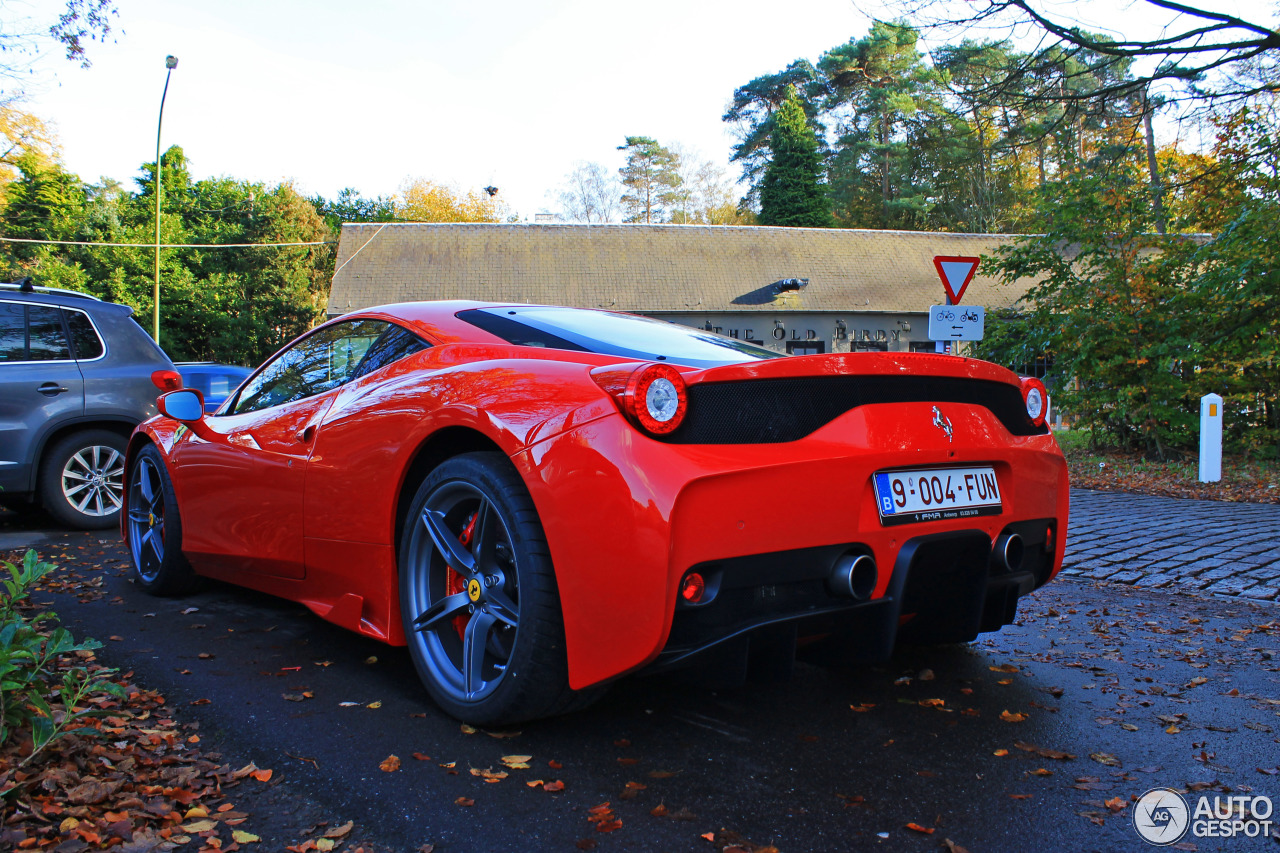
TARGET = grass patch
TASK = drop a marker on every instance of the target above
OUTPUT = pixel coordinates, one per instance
(1250, 480)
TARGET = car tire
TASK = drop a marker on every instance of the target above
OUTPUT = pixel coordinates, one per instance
(487, 641)
(155, 528)
(82, 479)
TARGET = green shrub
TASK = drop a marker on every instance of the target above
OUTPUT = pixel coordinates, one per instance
(43, 684)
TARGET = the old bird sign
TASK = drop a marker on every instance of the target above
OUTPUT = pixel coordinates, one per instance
(956, 271)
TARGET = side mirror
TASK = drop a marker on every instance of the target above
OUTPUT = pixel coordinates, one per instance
(185, 406)
(167, 380)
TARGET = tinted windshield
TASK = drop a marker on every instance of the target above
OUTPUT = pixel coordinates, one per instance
(612, 334)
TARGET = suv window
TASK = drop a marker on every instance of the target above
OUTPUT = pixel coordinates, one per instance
(13, 332)
(324, 360)
(32, 333)
(85, 343)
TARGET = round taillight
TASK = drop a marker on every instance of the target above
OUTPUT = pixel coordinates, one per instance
(693, 587)
(1036, 398)
(655, 397)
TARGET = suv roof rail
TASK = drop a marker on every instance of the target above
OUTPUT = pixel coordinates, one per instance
(25, 286)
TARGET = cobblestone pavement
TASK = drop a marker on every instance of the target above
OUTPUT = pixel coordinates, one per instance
(1210, 546)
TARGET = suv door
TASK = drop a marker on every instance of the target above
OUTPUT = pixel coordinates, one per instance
(40, 385)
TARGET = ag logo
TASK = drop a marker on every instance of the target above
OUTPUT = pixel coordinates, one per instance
(1161, 816)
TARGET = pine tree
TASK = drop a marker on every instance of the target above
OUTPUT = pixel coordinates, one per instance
(792, 192)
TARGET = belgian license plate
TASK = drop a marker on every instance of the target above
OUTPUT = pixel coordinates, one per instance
(936, 494)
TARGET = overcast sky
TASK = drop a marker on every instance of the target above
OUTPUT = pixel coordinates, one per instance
(507, 92)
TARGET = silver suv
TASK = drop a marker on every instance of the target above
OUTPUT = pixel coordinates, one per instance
(75, 379)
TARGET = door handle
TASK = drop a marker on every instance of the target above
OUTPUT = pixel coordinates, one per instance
(307, 433)
(52, 389)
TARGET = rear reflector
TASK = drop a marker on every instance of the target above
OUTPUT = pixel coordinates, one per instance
(693, 588)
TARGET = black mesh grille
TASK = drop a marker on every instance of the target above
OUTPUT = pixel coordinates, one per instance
(769, 411)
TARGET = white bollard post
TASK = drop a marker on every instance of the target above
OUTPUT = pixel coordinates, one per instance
(1210, 438)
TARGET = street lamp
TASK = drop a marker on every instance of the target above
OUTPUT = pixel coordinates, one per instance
(170, 62)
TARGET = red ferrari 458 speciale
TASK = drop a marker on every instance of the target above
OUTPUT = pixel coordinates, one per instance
(537, 500)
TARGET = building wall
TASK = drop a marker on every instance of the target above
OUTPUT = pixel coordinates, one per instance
(790, 331)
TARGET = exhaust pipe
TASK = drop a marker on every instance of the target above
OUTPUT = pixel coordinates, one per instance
(1008, 552)
(854, 576)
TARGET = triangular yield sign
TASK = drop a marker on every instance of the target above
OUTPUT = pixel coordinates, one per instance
(956, 271)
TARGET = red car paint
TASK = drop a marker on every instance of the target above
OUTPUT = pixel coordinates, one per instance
(305, 500)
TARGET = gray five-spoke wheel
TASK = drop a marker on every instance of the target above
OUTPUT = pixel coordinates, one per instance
(146, 519)
(478, 597)
(93, 480)
(154, 525)
(465, 598)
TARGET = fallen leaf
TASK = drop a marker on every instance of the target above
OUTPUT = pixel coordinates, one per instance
(517, 762)
(261, 775)
(1116, 804)
(199, 826)
(1004, 667)
(390, 764)
(915, 827)
(468, 730)
(1105, 758)
(553, 786)
(952, 847)
(1041, 772)
(464, 801)
(710, 836)
(371, 659)
(1001, 753)
(340, 831)
(660, 810)
(627, 762)
(1011, 717)
(421, 756)
(1044, 752)
(242, 837)
(374, 705)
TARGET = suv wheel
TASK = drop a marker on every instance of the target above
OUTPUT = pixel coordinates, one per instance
(82, 479)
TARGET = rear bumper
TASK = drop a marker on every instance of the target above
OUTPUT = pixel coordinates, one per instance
(626, 517)
(943, 588)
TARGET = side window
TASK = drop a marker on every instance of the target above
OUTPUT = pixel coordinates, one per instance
(318, 362)
(394, 344)
(85, 343)
(46, 338)
(13, 332)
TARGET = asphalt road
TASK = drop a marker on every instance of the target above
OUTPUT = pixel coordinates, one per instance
(1142, 687)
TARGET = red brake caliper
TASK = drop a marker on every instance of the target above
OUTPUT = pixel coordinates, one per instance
(454, 583)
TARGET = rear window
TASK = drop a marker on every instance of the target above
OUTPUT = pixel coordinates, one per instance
(612, 334)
